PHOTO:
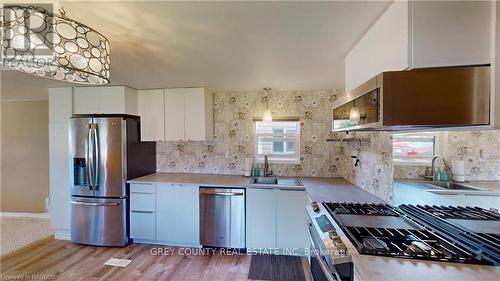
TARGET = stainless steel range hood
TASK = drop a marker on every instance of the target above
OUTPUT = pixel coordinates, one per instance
(417, 99)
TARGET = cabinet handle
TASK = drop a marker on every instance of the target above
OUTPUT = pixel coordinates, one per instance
(145, 212)
(141, 192)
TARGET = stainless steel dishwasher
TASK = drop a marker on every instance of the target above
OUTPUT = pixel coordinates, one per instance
(222, 217)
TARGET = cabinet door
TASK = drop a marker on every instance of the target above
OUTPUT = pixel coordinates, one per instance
(142, 225)
(291, 220)
(59, 171)
(177, 214)
(112, 100)
(384, 47)
(152, 112)
(174, 115)
(60, 105)
(131, 101)
(86, 100)
(451, 33)
(261, 218)
(194, 114)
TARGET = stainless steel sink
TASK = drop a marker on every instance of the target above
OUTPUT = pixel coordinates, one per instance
(277, 181)
(440, 185)
(451, 185)
(265, 181)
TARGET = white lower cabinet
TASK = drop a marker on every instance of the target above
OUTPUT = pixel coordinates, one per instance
(277, 219)
(261, 218)
(142, 225)
(177, 214)
(291, 221)
(142, 212)
(165, 214)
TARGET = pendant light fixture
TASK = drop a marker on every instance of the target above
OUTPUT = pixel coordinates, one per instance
(267, 116)
(354, 115)
(40, 43)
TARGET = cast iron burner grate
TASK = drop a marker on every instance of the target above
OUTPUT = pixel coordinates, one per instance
(465, 213)
(412, 244)
(363, 209)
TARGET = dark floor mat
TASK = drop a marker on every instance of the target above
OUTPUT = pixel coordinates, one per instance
(276, 268)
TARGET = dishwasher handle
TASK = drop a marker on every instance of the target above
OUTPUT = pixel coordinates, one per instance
(216, 193)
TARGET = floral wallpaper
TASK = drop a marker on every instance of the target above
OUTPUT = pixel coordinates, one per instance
(375, 168)
(479, 149)
(235, 135)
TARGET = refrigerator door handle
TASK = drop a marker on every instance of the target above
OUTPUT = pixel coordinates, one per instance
(94, 204)
(88, 160)
(96, 160)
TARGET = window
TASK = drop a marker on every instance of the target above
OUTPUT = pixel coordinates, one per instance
(279, 140)
(416, 148)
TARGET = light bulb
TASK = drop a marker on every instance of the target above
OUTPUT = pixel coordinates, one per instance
(354, 115)
(267, 116)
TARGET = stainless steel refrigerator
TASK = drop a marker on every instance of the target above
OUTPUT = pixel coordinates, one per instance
(106, 152)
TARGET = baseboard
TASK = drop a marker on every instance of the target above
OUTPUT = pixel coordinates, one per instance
(24, 215)
(62, 235)
(166, 243)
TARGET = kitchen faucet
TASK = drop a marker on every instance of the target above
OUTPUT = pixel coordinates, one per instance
(267, 172)
(432, 175)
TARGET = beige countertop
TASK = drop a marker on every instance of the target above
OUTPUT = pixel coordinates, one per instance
(336, 189)
(194, 179)
(374, 268)
(319, 189)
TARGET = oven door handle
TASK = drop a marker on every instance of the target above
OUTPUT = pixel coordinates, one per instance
(315, 250)
(328, 272)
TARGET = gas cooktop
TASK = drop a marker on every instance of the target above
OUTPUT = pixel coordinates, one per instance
(419, 232)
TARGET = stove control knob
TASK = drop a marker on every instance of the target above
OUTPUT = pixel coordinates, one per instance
(314, 206)
(341, 246)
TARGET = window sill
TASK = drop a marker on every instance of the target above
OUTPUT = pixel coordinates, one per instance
(408, 163)
(279, 162)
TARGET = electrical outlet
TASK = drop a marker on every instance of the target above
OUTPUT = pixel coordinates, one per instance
(47, 203)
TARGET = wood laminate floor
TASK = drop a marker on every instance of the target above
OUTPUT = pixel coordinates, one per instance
(52, 259)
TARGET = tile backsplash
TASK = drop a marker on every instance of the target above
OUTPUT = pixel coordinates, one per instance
(479, 149)
(235, 135)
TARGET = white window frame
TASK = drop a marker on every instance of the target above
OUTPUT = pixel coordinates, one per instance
(439, 148)
(260, 158)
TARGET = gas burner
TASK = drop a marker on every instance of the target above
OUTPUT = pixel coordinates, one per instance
(363, 209)
(464, 213)
(412, 244)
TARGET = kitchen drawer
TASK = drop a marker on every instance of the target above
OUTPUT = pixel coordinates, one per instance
(142, 201)
(142, 188)
(143, 225)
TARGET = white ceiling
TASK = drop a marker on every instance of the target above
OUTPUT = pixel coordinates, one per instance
(220, 45)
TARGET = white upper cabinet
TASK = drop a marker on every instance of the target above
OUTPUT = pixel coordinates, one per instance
(152, 112)
(60, 105)
(451, 33)
(105, 100)
(86, 100)
(184, 114)
(198, 115)
(384, 47)
(419, 34)
(174, 114)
